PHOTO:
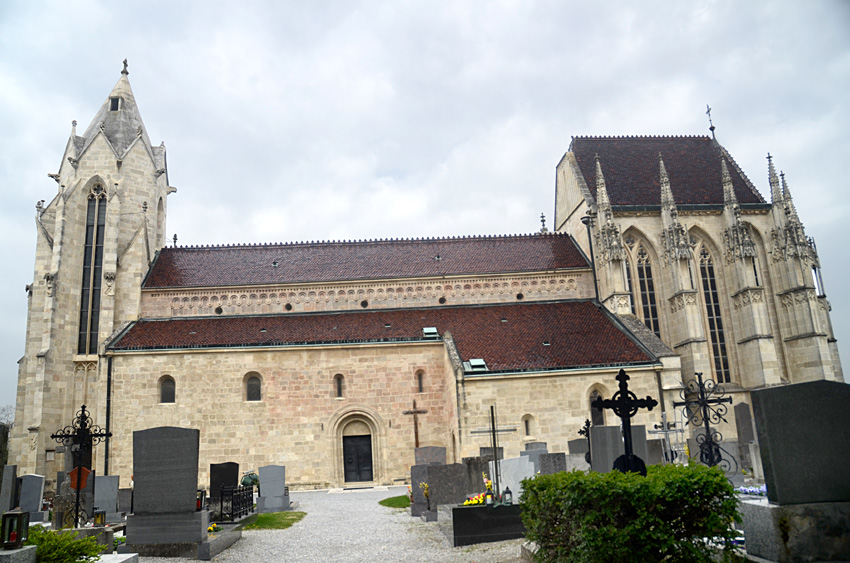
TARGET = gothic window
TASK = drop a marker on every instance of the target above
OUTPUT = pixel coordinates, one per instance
(253, 387)
(339, 384)
(755, 266)
(714, 318)
(92, 267)
(420, 383)
(818, 285)
(166, 389)
(597, 417)
(629, 286)
(646, 287)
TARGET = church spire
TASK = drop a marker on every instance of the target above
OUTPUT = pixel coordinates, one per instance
(603, 203)
(790, 209)
(775, 190)
(729, 198)
(667, 201)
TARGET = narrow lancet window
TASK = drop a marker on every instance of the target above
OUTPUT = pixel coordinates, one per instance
(713, 316)
(647, 292)
(92, 271)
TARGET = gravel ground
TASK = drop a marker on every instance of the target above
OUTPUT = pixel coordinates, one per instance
(352, 526)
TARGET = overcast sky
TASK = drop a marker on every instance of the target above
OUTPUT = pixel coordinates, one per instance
(297, 121)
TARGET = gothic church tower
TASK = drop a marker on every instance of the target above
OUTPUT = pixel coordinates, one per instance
(96, 239)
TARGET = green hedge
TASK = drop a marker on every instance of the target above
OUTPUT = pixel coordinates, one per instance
(615, 517)
(62, 547)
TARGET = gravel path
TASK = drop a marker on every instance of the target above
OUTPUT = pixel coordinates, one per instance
(352, 526)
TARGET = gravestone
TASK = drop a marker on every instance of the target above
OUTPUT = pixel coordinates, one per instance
(32, 494)
(534, 457)
(803, 434)
(512, 471)
(474, 467)
(576, 461)
(554, 463)
(430, 455)
(488, 452)
(274, 492)
(125, 500)
(606, 443)
(165, 468)
(447, 484)
(536, 446)
(578, 446)
(418, 474)
(106, 496)
(746, 434)
(9, 488)
(223, 475)
(654, 452)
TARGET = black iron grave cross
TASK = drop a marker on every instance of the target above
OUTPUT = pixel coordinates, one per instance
(585, 431)
(625, 404)
(415, 412)
(705, 405)
(80, 435)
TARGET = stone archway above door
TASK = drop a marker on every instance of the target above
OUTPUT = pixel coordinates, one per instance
(358, 431)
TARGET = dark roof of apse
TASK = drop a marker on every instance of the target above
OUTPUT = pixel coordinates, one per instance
(221, 266)
(508, 337)
(632, 173)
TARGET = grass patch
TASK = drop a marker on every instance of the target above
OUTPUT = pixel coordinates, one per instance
(275, 520)
(396, 502)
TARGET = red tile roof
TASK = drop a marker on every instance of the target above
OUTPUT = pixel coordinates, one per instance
(632, 174)
(578, 333)
(218, 266)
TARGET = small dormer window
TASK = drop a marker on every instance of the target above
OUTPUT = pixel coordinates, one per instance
(114, 104)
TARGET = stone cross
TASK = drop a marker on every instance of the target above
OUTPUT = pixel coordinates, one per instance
(415, 412)
(707, 406)
(665, 429)
(625, 404)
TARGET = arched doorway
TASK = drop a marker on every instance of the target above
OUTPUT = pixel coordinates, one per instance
(357, 452)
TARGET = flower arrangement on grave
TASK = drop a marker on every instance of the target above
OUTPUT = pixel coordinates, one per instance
(214, 528)
(426, 492)
(757, 491)
(410, 494)
(480, 498)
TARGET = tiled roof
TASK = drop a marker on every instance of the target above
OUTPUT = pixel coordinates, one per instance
(632, 174)
(507, 337)
(221, 266)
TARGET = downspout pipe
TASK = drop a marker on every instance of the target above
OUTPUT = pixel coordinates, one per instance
(108, 413)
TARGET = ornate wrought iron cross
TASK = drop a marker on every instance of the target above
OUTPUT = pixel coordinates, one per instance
(415, 412)
(585, 431)
(80, 435)
(625, 404)
(703, 404)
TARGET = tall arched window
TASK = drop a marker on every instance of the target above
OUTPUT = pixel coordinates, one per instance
(253, 387)
(597, 417)
(713, 315)
(92, 271)
(339, 385)
(528, 426)
(645, 295)
(167, 389)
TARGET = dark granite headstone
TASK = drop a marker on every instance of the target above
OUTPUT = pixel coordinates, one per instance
(553, 463)
(480, 524)
(654, 452)
(606, 443)
(125, 499)
(429, 455)
(106, 496)
(418, 474)
(9, 488)
(474, 467)
(484, 452)
(578, 446)
(223, 475)
(744, 423)
(536, 446)
(32, 492)
(804, 437)
(447, 484)
(165, 469)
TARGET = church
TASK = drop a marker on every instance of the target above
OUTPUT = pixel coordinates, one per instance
(336, 359)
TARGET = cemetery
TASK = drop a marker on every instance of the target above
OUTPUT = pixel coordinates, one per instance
(615, 491)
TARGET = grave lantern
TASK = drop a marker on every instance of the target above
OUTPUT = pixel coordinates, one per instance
(16, 525)
(200, 499)
(507, 496)
(99, 517)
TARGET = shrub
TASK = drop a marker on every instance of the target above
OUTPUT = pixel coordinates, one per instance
(616, 517)
(62, 547)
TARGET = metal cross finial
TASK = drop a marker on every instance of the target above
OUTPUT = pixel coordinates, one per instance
(175, 240)
(543, 223)
(711, 125)
(125, 71)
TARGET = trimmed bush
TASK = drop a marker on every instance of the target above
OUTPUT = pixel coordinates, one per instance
(616, 517)
(62, 547)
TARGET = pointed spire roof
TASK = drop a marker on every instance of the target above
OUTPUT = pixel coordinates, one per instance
(729, 198)
(603, 203)
(790, 209)
(118, 118)
(667, 200)
(775, 190)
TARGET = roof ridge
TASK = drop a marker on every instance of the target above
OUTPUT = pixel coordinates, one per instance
(457, 238)
(620, 137)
